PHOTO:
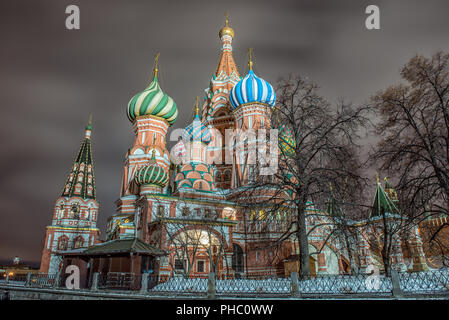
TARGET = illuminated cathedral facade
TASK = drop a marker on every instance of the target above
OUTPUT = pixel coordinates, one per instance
(187, 206)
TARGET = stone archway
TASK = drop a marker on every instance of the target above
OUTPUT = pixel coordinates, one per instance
(197, 250)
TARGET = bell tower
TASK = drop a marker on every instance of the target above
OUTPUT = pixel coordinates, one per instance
(74, 221)
(216, 111)
(252, 99)
(147, 162)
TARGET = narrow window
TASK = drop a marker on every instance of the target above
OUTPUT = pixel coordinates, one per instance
(200, 266)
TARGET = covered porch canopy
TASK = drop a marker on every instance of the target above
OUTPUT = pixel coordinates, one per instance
(120, 255)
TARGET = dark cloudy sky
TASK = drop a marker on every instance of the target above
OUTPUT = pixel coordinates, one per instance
(51, 78)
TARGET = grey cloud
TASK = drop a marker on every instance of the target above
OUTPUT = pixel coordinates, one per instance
(52, 78)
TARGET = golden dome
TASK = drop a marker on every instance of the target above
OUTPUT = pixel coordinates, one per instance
(226, 30)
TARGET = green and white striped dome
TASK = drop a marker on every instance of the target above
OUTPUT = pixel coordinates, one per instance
(152, 101)
(151, 174)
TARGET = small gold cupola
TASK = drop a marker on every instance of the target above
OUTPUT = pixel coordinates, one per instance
(226, 30)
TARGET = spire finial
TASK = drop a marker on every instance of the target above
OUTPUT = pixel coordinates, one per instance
(88, 127)
(156, 60)
(330, 186)
(377, 177)
(197, 109)
(226, 30)
(153, 154)
(250, 61)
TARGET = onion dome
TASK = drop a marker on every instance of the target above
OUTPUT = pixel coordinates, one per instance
(151, 174)
(153, 101)
(287, 142)
(197, 131)
(252, 89)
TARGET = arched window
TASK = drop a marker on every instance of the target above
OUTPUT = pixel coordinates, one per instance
(61, 211)
(63, 242)
(75, 211)
(160, 211)
(78, 242)
(218, 176)
(185, 211)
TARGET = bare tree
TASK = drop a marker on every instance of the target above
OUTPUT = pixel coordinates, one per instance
(317, 147)
(414, 128)
(196, 233)
(184, 244)
(414, 131)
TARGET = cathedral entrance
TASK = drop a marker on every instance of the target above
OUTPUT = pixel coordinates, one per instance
(195, 251)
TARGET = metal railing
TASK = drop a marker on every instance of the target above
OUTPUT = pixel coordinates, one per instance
(16, 278)
(180, 284)
(433, 282)
(429, 283)
(119, 281)
(49, 280)
(345, 284)
(254, 286)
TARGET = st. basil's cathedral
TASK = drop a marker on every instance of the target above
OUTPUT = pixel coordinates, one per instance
(176, 215)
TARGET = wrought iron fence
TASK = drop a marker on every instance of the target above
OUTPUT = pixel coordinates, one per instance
(17, 278)
(433, 281)
(177, 284)
(43, 280)
(424, 283)
(345, 284)
(119, 281)
(254, 286)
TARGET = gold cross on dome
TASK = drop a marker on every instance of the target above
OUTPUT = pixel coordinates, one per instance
(250, 62)
(156, 60)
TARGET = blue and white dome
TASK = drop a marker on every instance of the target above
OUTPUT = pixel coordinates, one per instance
(252, 89)
(197, 131)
